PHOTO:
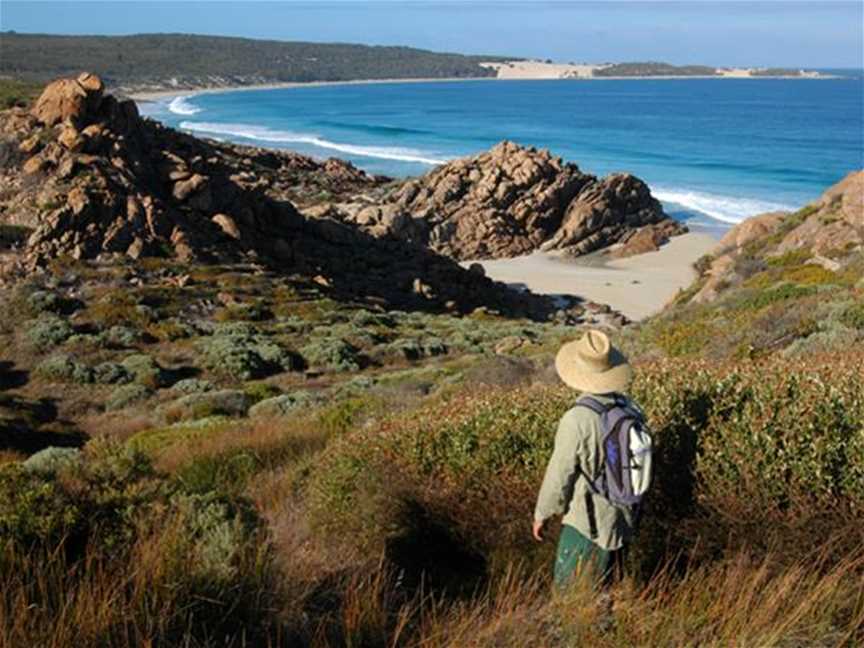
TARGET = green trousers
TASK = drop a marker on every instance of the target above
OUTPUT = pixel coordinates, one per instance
(578, 556)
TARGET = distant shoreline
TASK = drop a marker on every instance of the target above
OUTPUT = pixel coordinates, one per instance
(165, 92)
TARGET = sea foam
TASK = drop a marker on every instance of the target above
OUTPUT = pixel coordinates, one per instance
(182, 106)
(727, 209)
(264, 134)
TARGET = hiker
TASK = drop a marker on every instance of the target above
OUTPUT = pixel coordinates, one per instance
(601, 465)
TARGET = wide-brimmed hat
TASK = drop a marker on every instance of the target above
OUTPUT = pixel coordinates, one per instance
(592, 364)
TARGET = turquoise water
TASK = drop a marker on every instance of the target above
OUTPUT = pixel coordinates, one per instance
(714, 151)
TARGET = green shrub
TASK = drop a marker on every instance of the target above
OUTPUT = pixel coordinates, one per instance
(35, 509)
(244, 355)
(283, 405)
(755, 300)
(47, 332)
(735, 445)
(258, 392)
(853, 316)
(154, 440)
(170, 330)
(119, 308)
(790, 258)
(333, 354)
(221, 474)
(112, 373)
(44, 301)
(192, 386)
(122, 337)
(51, 459)
(254, 311)
(226, 402)
(145, 370)
(127, 395)
(61, 368)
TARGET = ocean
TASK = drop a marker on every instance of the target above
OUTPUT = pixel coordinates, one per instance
(714, 151)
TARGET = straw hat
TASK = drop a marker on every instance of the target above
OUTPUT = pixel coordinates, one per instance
(592, 364)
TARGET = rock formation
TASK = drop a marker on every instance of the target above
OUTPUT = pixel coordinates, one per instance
(507, 202)
(91, 179)
(828, 230)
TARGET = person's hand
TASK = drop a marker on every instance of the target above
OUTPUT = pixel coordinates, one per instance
(538, 530)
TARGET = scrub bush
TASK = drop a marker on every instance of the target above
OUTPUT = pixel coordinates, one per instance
(48, 331)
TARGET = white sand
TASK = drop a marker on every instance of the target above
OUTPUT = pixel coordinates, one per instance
(637, 286)
(541, 70)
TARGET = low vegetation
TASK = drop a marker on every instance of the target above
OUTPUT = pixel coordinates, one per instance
(203, 60)
(373, 483)
(14, 92)
(653, 68)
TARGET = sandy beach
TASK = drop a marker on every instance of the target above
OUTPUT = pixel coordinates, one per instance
(167, 93)
(637, 286)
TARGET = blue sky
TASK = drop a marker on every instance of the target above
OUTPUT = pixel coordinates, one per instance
(817, 33)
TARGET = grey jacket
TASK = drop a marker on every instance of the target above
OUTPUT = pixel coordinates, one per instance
(578, 452)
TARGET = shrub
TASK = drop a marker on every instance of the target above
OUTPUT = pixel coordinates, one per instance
(192, 386)
(122, 336)
(145, 370)
(51, 459)
(254, 311)
(43, 301)
(61, 368)
(283, 405)
(34, 509)
(244, 355)
(756, 456)
(127, 395)
(112, 373)
(755, 300)
(333, 354)
(853, 316)
(119, 308)
(170, 330)
(258, 392)
(48, 331)
(226, 402)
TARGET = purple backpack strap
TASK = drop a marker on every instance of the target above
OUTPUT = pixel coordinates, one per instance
(594, 405)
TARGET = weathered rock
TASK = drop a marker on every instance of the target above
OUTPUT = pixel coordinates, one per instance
(30, 145)
(69, 99)
(751, 229)
(648, 238)
(71, 139)
(227, 224)
(604, 213)
(34, 165)
(184, 188)
(506, 202)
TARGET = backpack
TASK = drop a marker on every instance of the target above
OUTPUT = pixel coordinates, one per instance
(627, 448)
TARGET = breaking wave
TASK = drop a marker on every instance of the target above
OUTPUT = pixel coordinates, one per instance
(723, 208)
(182, 106)
(264, 134)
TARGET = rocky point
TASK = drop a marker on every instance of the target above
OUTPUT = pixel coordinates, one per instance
(509, 201)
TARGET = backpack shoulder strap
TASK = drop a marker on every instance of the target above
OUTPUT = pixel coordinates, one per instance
(594, 405)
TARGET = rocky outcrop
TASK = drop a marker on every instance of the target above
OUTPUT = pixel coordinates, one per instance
(835, 222)
(94, 181)
(506, 202)
(829, 231)
(751, 229)
(608, 211)
(648, 238)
